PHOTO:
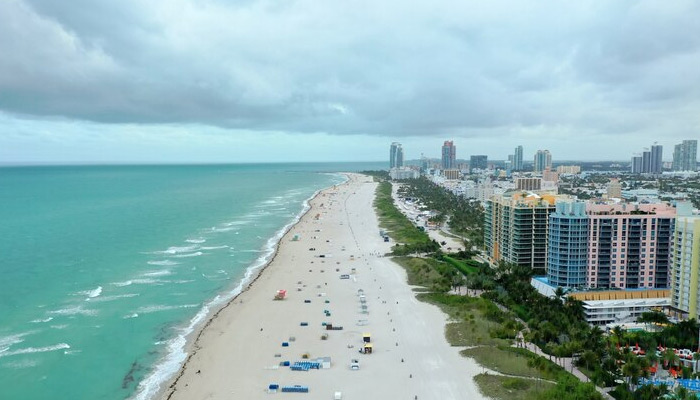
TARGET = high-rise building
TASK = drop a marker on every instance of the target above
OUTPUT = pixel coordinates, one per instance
(480, 162)
(650, 162)
(543, 159)
(637, 165)
(685, 266)
(449, 155)
(685, 156)
(515, 229)
(518, 159)
(395, 155)
(569, 169)
(629, 245)
(567, 256)
(657, 162)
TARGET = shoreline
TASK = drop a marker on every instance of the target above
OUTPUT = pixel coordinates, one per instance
(165, 387)
(237, 353)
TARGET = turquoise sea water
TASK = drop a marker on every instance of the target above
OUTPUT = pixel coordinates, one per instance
(105, 269)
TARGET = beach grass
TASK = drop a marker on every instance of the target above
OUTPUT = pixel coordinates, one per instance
(396, 224)
(509, 388)
(514, 361)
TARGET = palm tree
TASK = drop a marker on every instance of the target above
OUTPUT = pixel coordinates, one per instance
(633, 371)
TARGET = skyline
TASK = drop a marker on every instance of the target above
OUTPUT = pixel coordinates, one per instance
(191, 82)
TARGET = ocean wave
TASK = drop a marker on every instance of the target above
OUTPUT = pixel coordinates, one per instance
(177, 250)
(90, 293)
(196, 241)
(20, 364)
(224, 229)
(8, 341)
(158, 308)
(77, 310)
(162, 272)
(197, 254)
(144, 281)
(164, 263)
(175, 353)
(104, 299)
(30, 350)
(134, 315)
(38, 321)
(215, 247)
(59, 327)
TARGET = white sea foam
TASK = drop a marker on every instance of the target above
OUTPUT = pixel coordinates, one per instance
(8, 341)
(134, 315)
(59, 327)
(162, 272)
(30, 350)
(177, 250)
(157, 308)
(20, 364)
(197, 254)
(144, 281)
(104, 299)
(196, 241)
(76, 310)
(215, 247)
(224, 229)
(90, 293)
(164, 263)
(38, 321)
(175, 354)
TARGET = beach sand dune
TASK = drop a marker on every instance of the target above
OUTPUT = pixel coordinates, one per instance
(238, 354)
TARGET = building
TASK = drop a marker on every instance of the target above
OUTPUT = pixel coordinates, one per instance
(550, 176)
(650, 162)
(395, 155)
(629, 245)
(656, 161)
(516, 226)
(567, 255)
(449, 155)
(451, 174)
(685, 265)
(637, 166)
(614, 189)
(569, 169)
(480, 162)
(518, 159)
(528, 183)
(617, 306)
(543, 159)
(685, 156)
(403, 173)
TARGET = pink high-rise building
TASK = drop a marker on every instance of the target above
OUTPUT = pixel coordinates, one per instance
(629, 245)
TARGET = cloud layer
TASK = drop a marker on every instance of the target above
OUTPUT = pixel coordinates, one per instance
(389, 68)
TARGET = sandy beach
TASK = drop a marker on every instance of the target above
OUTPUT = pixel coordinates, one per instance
(238, 354)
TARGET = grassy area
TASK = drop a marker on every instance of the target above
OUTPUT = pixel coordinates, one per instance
(396, 224)
(476, 321)
(427, 272)
(507, 388)
(513, 361)
(461, 266)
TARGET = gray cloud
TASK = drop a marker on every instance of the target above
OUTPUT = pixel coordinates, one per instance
(359, 67)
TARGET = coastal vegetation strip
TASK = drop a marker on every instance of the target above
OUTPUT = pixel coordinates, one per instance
(475, 321)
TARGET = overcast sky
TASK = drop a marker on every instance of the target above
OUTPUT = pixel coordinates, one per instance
(310, 80)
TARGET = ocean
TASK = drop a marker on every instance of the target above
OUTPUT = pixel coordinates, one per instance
(105, 270)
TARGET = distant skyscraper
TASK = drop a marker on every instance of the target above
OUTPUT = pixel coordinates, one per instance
(481, 162)
(656, 164)
(518, 159)
(685, 156)
(650, 162)
(395, 155)
(614, 189)
(543, 159)
(449, 155)
(637, 165)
